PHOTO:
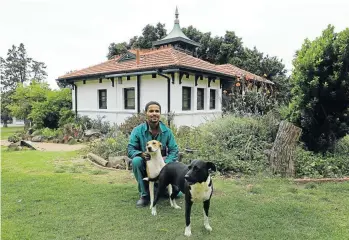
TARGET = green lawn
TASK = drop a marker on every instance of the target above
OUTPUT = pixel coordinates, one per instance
(6, 132)
(56, 195)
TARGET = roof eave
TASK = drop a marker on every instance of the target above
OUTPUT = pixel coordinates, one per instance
(164, 41)
(144, 70)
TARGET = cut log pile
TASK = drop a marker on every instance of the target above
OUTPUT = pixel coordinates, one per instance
(117, 162)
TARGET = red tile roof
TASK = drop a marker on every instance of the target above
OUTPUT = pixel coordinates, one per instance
(161, 58)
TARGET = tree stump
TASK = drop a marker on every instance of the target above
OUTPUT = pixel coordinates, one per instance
(281, 157)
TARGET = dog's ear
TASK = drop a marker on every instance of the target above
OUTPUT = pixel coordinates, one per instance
(210, 165)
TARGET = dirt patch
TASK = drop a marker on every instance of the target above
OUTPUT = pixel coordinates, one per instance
(51, 147)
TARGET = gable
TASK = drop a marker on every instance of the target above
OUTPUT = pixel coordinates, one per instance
(127, 56)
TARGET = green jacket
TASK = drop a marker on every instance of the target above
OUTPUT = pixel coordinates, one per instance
(140, 135)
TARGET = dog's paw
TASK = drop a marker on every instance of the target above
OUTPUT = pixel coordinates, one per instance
(177, 207)
(208, 227)
(153, 211)
(187, 232)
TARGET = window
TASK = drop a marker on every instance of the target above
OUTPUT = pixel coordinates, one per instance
(102, 97)
(212, 99)
(129, 97)
(186, 98)
(200, 99)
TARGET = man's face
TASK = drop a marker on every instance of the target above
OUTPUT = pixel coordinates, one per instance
(153, 114)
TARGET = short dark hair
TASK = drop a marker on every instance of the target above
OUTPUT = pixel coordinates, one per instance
(152, 103)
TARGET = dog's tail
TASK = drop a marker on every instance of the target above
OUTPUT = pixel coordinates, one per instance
(151, 179)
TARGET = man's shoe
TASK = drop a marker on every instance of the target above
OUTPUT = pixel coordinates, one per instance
(142, 202)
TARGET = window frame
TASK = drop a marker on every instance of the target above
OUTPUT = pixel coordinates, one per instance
(201, 100)
(213, 99)
(101, 100)
(186, 99)
(127, 98)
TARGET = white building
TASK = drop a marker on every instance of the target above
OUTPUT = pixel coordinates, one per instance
(184, 85)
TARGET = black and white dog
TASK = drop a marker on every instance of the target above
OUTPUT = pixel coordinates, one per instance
(194, 181)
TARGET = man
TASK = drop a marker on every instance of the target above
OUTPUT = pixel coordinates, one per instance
(151, 129)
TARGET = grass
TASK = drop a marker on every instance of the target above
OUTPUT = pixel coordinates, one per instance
(57, 195)
(6, 132)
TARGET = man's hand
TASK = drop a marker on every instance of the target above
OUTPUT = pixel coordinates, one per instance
(145, 156)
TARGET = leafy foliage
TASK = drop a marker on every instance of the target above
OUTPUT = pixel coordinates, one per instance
(253, 102)
(38, 103)
(112, 146)
(131, 122)
(24, 97)
(237, 144)
(334, 164)
(5, 102)
(150, 34)
(49, 133)
(320, 103)
(47, 113)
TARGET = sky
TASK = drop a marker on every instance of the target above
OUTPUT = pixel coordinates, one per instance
(73, 34)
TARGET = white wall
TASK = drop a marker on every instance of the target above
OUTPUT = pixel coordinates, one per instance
(152, 89)
(194, 117)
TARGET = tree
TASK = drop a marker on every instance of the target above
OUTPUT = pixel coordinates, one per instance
(48, 113)
(24, 97)
(320, 102)
(38, 70)
(270, 67)
(150, 34)
(5, 102)
(116, 49)
(231, 50)
(41, 105)
(19, 68)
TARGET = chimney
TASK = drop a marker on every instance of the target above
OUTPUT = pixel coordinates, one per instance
(137, 57)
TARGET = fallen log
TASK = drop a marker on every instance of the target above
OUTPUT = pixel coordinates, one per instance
(28, 144)
(319, 180)
(97, 159)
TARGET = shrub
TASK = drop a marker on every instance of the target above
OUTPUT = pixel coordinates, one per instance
(51, 133)
(131, 122)
(109, 146)
(47, 113)
(84, 121)
(236, 144)
(103, 126)
(342, 147)
(66, 116)
(14, 138)
(253, 102)
(310, 164)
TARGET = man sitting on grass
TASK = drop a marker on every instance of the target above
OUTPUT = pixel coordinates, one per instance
(151, 129)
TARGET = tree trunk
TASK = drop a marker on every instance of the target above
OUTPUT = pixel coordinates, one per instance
(97, 159)
(281, 157)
